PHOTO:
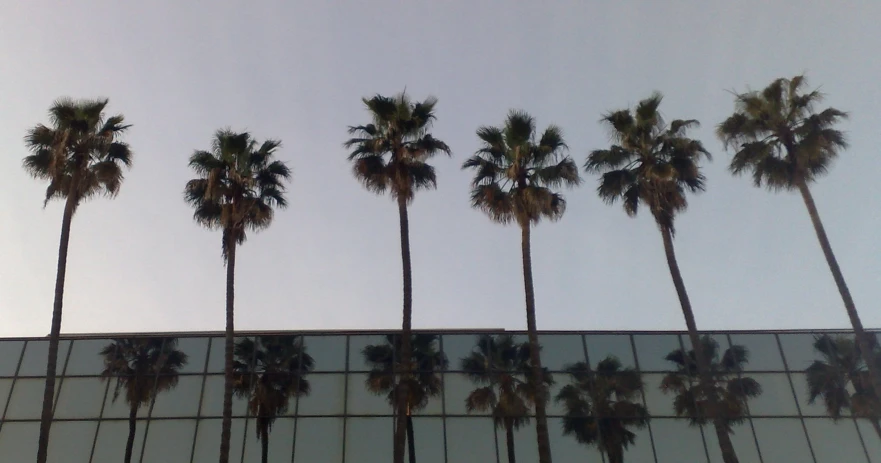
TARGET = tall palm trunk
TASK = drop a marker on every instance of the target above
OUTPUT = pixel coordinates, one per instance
(264, 443)
(509, 440)
(411, 439)
(861, 335)
(703, 365)
(132, 428)
(541, 419)
(226, 422)
(406, 328)
(55, 330)
(615, 454)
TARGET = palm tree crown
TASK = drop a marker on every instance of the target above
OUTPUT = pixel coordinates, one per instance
(841, 380)
(81, 153)
(239, 184)
(779, 137)
(727, 388)
(142, 367)
(650, 162)
(515, 172)
(386, 374)
(601, 405)
(391, 152)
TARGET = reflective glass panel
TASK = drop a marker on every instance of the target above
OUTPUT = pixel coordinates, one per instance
(480, 435)
(835, 442)
(364, 402)
(434, 406)
(112, 437)
(181, 400)
(356, 350)
(327, 395)
(458, 346)
(208, 440)
(36, 354)
(457, 388)
(555, 408)
(641, 449)
(565, 448)
(5, 389)
(652, 348)
(600, 346)
(763, 351)
(560, 350)
(428, 437)
(525, 443)
(818, 408)
(85, 357)
(369, 440)
(676, 441)
(18, 441)
(10, 354)
(776, 398)
(216, 353)
(328, 352)
(319, 439)
(742, 439)
(80, 398)
(871, 439)
(71, 441)
(212, 399)
(196, 350)
(26, 401)
(798, 349)
(281, 441)
(782, 439)
(116, 406)
(169, 441)
(658, 403)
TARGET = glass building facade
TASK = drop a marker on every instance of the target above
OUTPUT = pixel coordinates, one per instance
(340, 420)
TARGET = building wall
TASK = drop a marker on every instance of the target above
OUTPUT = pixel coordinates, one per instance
(340, 421)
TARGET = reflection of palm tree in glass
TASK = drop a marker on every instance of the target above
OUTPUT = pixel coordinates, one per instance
(601, 405)
(270, 371)
(500, 367)
(727, 388)
(143, 367)
(421, 381)
(842, 380)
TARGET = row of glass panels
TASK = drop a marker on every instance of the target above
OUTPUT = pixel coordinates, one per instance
(438, 440)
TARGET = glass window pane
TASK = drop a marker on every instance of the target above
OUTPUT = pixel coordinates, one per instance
(117, 407)
(196, 350)
(369, 440)
(212, 399)
(319, 439)
(600, 346)
(457, 388)
(169, 441)
(782, 439)
(428, 438)
(208, 440)
(818, 408)
(36, 354)
(85, 357)
(26, 401)
(182, 400)
(676, 441)
(742, 439)
(281, 441)
(457, 347)
(471, 440)
(835, 442)
(652, 348)
(18, 441)
(80, 398)
(798, 349)
(555, 408)
(871, 438)
(10, 354)
(112, 437)
(326, 397)
(216, 354)
(566, 449)
(525, 444)
(764, 353)
(356, 350)
(71, 441)
(363, 402)
(658, 403)
(560, 350)
(5, 389)
(776, 398)
(328, 352)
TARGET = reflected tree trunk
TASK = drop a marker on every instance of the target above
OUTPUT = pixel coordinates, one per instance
(877, 425)
(615, 454)
(509, 440)
(132, 428)
(264, 443)
(411, 438)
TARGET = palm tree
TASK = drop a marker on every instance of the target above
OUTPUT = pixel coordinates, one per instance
(80, 154)
(515, 175)
(501, 369)
(787, 145)
(417, 385)
(238, 185)
(390, 154)
(656, 165)
(725, 399)
(142, 367)
(601, 405)
(841, 380)
(270, 370)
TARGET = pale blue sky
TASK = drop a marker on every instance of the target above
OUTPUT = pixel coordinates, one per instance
(296, 70)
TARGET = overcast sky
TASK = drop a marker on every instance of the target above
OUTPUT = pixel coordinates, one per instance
(296, 70)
